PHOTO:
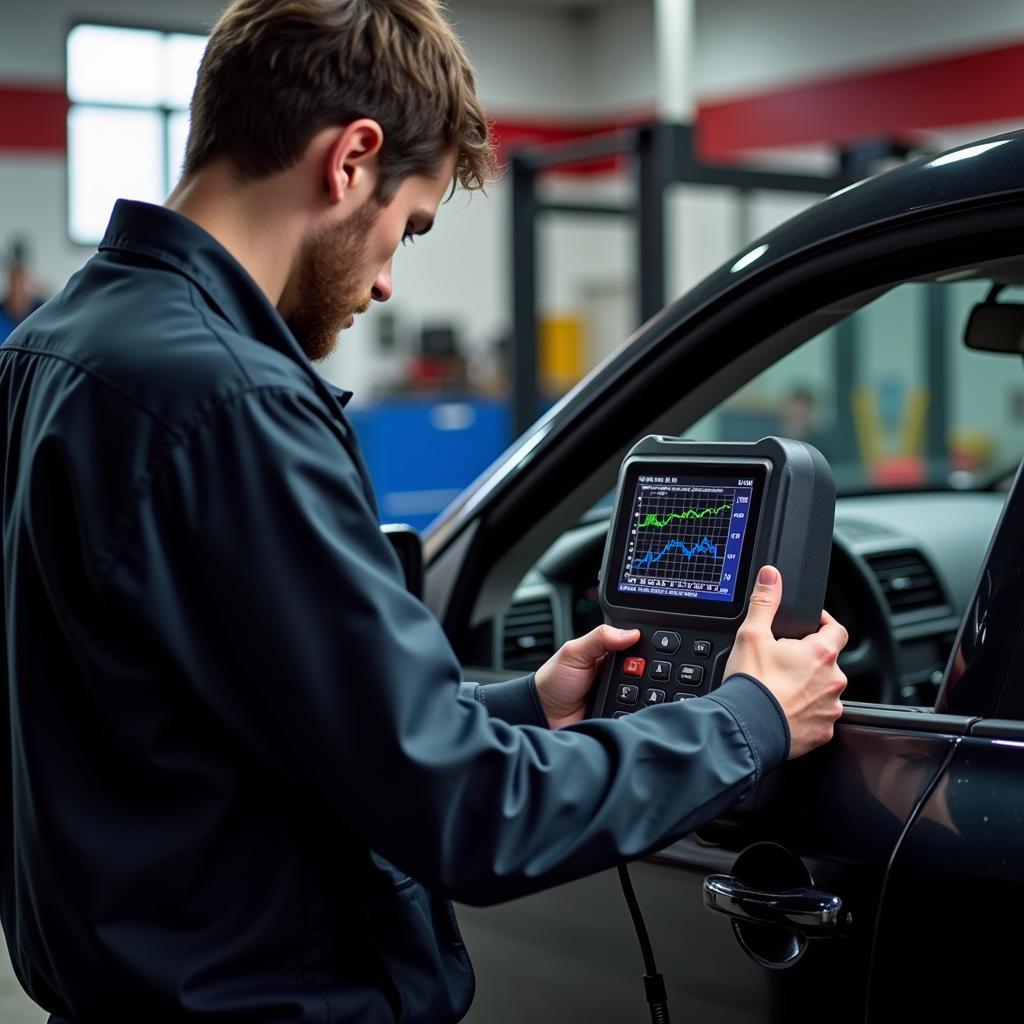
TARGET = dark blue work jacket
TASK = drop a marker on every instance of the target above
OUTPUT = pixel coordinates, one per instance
(223, 720)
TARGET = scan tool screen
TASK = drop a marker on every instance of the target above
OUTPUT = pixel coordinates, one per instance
(686, 536)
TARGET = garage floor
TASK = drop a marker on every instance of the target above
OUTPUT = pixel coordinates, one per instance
(15, 1007)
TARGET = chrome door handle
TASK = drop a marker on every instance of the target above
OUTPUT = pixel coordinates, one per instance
(811, 912)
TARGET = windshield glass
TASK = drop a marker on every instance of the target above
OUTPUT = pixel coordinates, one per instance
(891, 395)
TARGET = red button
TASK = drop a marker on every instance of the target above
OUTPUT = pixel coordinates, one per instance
(634, 666)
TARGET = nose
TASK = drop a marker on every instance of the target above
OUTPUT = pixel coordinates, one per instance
(382, 286)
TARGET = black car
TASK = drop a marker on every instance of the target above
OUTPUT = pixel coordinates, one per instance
(848, 325)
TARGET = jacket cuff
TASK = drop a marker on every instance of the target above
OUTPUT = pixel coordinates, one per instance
(515, 702)
(759, 716)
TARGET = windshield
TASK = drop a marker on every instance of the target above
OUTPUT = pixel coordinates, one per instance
(891, 396)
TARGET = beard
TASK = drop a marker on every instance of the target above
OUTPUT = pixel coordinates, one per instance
(328, 289)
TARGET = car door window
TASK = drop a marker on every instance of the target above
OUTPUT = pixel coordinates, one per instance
(919, 430)
(891, 396)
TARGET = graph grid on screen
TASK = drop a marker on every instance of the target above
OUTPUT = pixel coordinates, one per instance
(686, 538)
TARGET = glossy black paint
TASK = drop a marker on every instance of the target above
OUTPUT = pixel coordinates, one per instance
(840, 811)
(949, 941)
(984, 672)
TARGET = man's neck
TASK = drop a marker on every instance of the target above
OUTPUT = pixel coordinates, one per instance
(253, 221)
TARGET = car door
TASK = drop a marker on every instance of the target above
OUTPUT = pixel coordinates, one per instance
(836, 821)
(573, 950)
(947, 945)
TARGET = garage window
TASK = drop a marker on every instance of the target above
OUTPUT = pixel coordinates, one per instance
(128, 122)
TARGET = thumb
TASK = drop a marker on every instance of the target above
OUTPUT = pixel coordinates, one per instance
(598, 642)
(765, 598)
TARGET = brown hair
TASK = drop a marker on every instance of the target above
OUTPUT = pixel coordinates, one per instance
(276, 72)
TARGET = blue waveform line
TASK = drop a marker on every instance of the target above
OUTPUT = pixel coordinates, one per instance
(704, 547)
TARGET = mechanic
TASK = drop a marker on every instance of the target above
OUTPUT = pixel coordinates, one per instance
(231, 739)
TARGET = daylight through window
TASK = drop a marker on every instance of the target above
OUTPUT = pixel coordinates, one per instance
(129, 90)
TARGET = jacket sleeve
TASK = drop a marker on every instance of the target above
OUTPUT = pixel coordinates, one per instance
(515, 701)
(256, 564)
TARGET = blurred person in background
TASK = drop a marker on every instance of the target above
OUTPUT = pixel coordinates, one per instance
(798, 419)
(20, 299)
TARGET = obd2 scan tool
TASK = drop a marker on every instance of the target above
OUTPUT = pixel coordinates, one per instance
(693, 523)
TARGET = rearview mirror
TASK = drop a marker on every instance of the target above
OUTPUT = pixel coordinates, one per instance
(996, 327)
(409, 548)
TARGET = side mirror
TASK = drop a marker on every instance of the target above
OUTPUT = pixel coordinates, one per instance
(996, 327)
(409, 548)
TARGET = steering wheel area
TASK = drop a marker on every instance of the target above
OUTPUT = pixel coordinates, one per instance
(871, 660)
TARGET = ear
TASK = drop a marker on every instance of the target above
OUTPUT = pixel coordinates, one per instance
(352, 159)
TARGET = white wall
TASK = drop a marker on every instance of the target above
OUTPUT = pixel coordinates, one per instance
(620, 72)
(528, 60)
(746, 45)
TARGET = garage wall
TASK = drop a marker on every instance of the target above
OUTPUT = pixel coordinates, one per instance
(748, 45)
(458, 275)
(538, 64)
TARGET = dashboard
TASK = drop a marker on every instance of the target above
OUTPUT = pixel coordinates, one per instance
(922, 550)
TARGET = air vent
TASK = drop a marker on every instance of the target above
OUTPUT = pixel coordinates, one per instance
(528, 637)
(907, 581)
(859, 529)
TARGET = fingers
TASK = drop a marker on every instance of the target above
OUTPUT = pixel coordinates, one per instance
(764, 599)
(594, 645)
(833, 632)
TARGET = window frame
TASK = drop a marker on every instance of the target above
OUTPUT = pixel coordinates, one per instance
(166, 112)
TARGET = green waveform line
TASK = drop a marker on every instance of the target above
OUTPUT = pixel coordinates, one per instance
(690, 513)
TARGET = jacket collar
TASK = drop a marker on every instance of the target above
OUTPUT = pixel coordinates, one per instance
(168, 237)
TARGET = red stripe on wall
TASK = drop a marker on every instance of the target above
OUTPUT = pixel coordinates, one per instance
(965, 89)
(511, 135)
(33, 119)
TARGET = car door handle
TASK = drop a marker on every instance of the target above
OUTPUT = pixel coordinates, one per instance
(811, 912)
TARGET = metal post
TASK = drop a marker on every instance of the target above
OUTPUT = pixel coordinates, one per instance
(655, 172)
(936, 373)
(673, 35)
(524, 342)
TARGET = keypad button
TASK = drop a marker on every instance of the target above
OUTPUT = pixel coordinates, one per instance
(660, 670)
(627, 694)
(654, 697)
(633, 666)
(683, 696)
(691, 675)
(665, 642)
(701, 648)
(621, 714)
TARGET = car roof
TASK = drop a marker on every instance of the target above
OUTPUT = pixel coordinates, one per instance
(976, 172)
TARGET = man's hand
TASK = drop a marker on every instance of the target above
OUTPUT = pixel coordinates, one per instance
(565, 679)
(803, 675)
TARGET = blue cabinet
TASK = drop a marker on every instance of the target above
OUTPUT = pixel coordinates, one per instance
(422, 452)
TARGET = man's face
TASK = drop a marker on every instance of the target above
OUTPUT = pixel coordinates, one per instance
(345, 265)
